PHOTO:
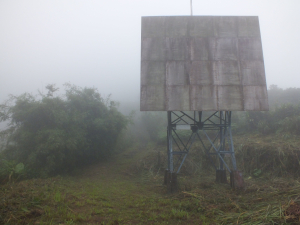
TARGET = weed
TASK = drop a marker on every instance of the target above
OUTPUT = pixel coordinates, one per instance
(69, 222)
(57, 197)
(180, 214)
(204, 220)
(11, 170)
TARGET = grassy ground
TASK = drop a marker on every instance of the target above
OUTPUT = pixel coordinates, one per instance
(128, 190)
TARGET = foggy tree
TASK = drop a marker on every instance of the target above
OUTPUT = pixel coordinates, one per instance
(55, 134)
(278, 96)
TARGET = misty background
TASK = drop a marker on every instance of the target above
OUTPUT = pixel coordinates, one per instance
(96, 43)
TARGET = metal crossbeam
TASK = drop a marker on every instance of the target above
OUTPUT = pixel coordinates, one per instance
(220, 145)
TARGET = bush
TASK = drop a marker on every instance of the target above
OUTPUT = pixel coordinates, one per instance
(154, 125)
(10, 170)
(55, 134)
(285, 118)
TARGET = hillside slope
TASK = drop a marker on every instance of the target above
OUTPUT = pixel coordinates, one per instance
(128, 190)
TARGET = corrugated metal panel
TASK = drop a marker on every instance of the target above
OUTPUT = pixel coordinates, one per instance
(204, 97)
(202, 63)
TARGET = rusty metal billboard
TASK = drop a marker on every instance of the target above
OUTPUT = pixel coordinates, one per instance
(202, 63)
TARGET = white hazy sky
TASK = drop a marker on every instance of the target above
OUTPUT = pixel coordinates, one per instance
(96, 43)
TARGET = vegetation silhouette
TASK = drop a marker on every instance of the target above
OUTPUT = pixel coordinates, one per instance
(53, 134)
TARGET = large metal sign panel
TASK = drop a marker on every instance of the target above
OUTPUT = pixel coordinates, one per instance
(202, 63)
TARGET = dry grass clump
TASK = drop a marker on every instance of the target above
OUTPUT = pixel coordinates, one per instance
(264, 201)
(269, 154)
(22, 201)
(255, 156)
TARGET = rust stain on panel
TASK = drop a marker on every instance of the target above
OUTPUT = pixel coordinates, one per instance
(176, 73)
(178, 98)
(201, 73)
(223, 49)
(176, 48)
(153, 98)
(226, 73)
(153, 49)
(256, 98)
(199, 49)
(203, 97)
(230, 98)
(250, 49)
(153, 73)
(253, 73)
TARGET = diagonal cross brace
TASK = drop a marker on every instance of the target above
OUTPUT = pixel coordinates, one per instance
(224, 134)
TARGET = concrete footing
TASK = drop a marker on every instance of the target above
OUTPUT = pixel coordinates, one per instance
(170, 179)
(166, 177)
(221, 176)
(237, 180)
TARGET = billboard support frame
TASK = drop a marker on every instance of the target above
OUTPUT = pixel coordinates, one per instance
(214, 132)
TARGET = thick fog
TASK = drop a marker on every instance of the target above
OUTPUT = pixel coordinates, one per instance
(96, 43)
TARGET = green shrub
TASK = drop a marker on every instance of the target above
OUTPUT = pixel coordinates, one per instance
(263, 127)
(290, 125)
(55, 134)
(11, 170)
(285, 118)
(155, 124)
